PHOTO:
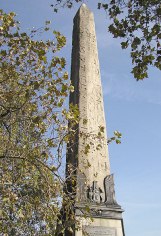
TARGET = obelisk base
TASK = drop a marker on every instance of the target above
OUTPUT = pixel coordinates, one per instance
(100, 220)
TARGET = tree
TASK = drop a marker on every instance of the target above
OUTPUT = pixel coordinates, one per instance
(33, 129)
(137, 23)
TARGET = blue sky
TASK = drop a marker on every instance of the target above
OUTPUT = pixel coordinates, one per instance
(133, 108)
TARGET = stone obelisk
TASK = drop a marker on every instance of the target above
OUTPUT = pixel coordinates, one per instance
(89, 154)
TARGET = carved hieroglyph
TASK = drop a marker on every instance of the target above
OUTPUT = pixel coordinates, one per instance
(85, 77)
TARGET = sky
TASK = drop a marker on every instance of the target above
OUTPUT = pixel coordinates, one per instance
(133, 108)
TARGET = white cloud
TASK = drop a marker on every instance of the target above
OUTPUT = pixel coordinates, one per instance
(125, 88)
(141, 205)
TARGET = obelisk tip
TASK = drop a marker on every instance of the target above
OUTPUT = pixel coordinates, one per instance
(83, 5)
(83, 9)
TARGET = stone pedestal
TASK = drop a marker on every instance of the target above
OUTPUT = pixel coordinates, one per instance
(98, 216)
(100, 220)
(101, 227)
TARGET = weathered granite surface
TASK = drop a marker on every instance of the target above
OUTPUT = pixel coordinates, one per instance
(85, 76)
(95, 184)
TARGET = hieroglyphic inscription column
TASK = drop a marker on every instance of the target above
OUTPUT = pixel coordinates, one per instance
(87, 151)
(85, 76)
